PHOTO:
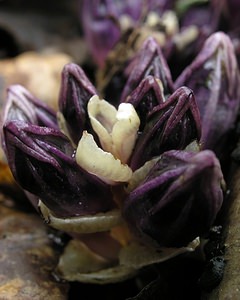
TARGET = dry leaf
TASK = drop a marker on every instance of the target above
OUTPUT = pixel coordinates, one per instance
(39, 73)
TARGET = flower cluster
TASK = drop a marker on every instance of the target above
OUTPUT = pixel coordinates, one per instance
(141, 178)
(180, 27)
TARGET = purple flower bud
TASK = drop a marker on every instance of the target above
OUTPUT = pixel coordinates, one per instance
(102, 20)
(22, 105)
(148, 61)
(178, 200)
(145, 97)
(42, 162)
(171, 125)
(75, 92)
(214, 78)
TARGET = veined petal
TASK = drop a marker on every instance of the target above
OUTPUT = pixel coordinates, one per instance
(124, 133)
(100, 163)
(103, 117)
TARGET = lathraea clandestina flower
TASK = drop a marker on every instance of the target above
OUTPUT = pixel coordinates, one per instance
(83, 170)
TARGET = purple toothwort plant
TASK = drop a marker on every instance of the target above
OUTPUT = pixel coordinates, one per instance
(129, 175)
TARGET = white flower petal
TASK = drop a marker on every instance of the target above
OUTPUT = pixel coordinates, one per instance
(140, 174)
(170, 22)
(78, 258)
(124, 133)
(116, 130)
(84, 224)
(62, 124)
(137, 255)
(80, 264)
(102, 117)
(100, 163)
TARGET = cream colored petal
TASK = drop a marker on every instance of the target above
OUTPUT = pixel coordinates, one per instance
(193, 146)
(78, 263)
(124, 133)
(137, 255)
(185, 37)
(62, 124)
(161, 88)
(170, 22)
(140, 174)
(104, 276)
(100, 163)
(102, 117)
(78, 258)
(85, 224)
